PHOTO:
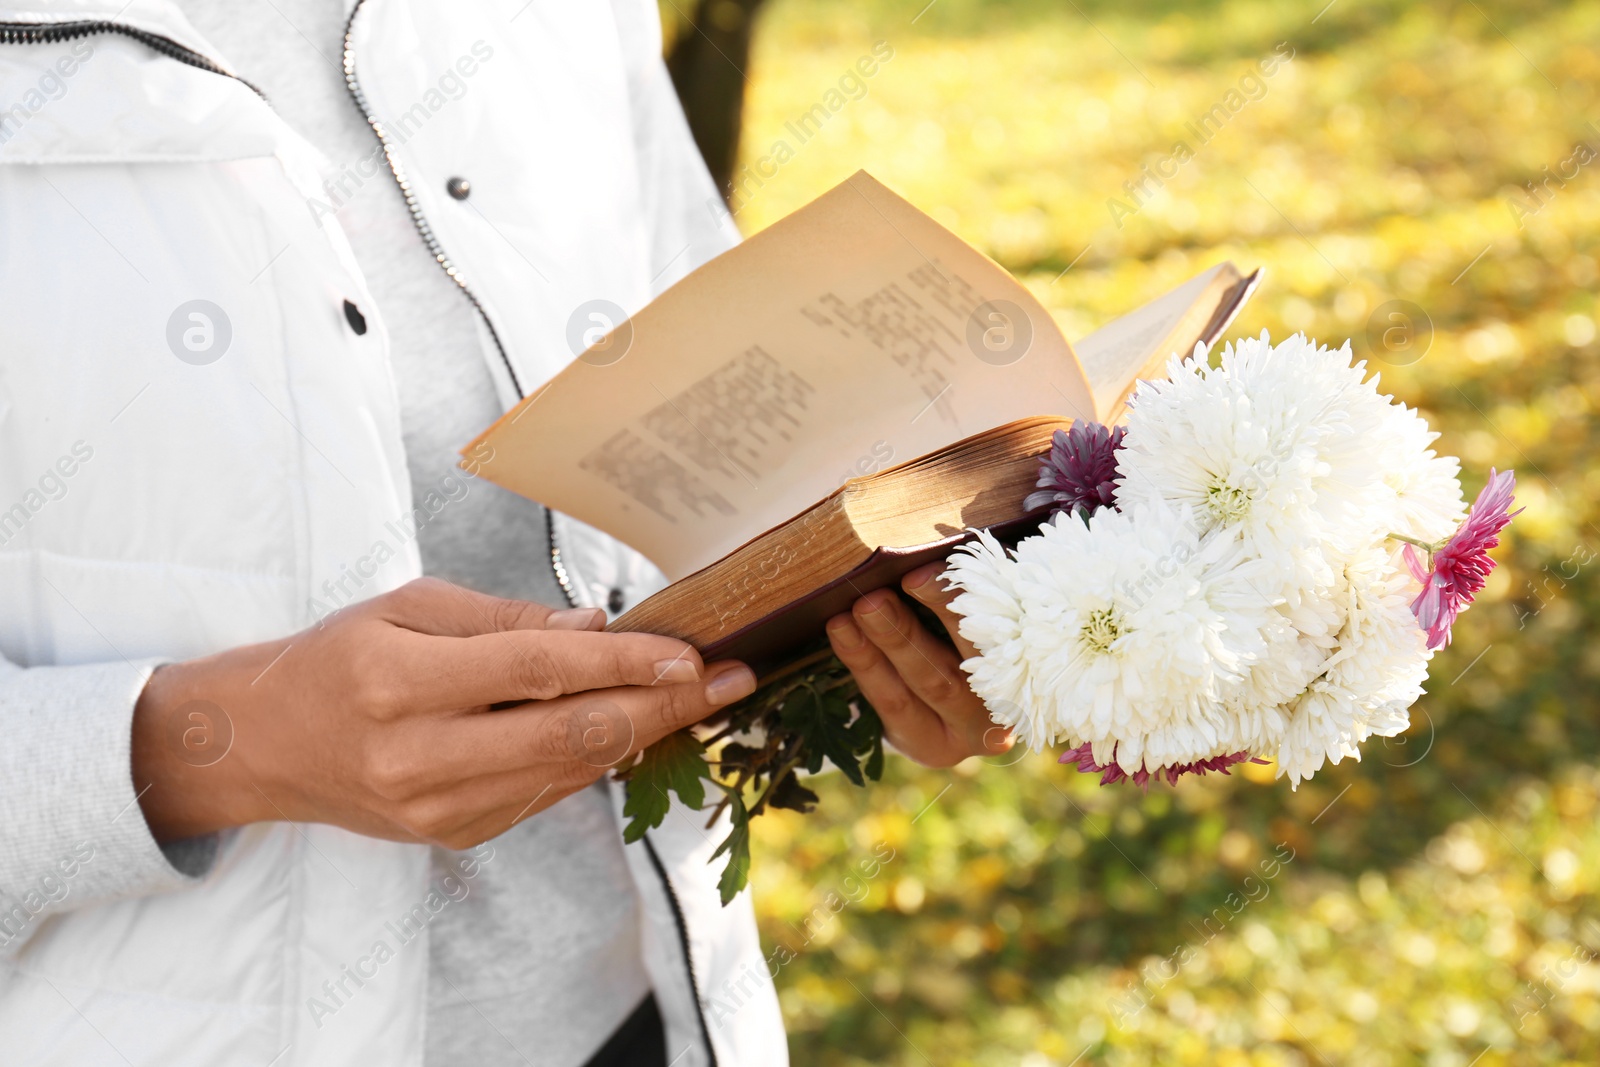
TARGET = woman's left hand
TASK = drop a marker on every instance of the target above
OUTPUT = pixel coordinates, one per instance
(913, 678)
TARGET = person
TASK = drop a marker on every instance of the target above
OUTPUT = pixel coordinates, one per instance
(307, 731)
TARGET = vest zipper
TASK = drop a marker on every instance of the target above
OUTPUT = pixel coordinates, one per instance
(563, 579)
(431, 240)
(683, 942)
(55, 32)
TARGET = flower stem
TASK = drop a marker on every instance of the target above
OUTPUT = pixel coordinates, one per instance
(1429, 547)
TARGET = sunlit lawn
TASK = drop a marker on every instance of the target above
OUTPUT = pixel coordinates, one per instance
(1424, 906)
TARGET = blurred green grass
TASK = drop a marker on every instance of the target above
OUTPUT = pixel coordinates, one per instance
(1441, 889)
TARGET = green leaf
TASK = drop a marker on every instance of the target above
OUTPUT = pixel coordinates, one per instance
(868, 733)
(736, 875)
(677, 762)
(735, 755)
(823, 724)
(813, 714)
(790, 794)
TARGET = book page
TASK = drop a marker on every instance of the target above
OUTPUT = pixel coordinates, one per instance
(1141, 342)
(851, 336)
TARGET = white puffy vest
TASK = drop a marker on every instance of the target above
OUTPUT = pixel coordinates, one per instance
(223, 493)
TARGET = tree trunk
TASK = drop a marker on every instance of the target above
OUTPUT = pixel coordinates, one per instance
(709, 62)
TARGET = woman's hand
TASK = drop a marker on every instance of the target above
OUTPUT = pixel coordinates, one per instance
(431, 713)
(913, 678)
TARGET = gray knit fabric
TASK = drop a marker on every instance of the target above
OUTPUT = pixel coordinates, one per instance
(71, 831)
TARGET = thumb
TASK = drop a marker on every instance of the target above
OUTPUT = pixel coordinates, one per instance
(927, 586)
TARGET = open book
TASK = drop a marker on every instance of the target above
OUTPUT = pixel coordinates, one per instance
(812, 414)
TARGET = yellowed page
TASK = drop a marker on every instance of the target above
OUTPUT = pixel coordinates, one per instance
(853, 335)
(1140, 343)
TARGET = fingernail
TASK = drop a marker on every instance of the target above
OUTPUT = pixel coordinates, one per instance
(731, 685)
(574, 619)
(845, 634)
(877, 619)
(673, 671)
(917, 579)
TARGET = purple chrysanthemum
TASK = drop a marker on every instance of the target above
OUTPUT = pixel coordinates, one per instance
(1083, 756)
(1079, 473)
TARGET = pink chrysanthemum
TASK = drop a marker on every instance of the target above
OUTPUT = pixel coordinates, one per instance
(1461, 565)
(1079, 473)
(1083, 756)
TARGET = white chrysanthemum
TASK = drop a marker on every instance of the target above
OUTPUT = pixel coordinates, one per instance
(991, 618)
(1420, 490)
(1131, 625)
(1368, 684)
(1299, 643)
(1281, 443)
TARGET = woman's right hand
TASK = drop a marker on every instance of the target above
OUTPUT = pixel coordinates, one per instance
(431, 713)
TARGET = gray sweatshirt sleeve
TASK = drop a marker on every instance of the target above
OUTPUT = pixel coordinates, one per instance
(71, 830)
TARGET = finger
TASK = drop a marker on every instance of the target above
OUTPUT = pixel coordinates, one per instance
(437, 673)
(463, 814)
(908, 723)
(652, 714)
(926, 586)
(525, 800)
(442, 609)
(578, 734)
(929, 667)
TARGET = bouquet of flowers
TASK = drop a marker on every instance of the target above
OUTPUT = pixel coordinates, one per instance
(1260, 562)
